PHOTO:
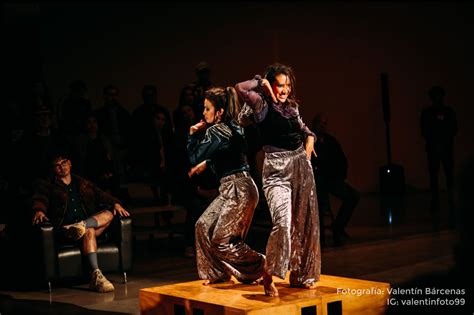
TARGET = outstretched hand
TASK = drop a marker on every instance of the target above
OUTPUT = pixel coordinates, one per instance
(120, 210)
(199, 126)
(39, 217)
(198, 169)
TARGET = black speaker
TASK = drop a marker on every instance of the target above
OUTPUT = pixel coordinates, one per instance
(385, 98)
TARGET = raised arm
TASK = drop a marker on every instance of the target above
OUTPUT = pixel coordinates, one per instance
(247, 92)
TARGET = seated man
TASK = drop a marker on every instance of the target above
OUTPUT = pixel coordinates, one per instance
(72, 204)
(330, 172)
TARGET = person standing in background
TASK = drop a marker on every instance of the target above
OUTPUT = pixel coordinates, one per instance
(438, 125)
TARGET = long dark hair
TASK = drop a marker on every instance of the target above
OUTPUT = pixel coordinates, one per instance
(277, 68)
(227, 99)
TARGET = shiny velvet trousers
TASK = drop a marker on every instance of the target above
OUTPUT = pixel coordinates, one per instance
(222, 229)
(290, 190)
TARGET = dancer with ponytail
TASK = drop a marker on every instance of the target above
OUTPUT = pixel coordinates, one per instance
(218, 143)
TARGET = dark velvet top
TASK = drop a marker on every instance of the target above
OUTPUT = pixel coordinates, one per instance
(280, 124)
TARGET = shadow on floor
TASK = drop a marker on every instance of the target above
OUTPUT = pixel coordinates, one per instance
(10, 305)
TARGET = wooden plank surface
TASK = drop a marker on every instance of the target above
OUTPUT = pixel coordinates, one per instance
(357, 297)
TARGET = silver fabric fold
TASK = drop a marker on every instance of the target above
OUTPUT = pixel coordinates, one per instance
(290, 190)
(221, 231)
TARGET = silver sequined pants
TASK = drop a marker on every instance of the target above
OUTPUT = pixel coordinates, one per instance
(222, 229)
(290, 190)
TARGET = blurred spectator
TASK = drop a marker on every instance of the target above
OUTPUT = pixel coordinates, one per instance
(73, 110)
(200, 86)
(330, 172)
(152, 138)
(95, 157)
(115, 122)
(438, 125)
(39, 145)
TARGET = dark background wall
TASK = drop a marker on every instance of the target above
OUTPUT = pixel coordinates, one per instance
(337, 50)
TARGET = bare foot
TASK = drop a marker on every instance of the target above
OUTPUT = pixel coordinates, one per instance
(308, 286)
(269, 285)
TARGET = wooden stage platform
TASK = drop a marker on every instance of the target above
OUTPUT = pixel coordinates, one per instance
(333, 296)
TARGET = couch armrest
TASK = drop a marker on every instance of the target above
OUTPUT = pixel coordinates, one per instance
(122, 235)
(45, 231)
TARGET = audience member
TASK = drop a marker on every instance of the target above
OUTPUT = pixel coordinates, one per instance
(79, 210)
(330, 172)
(95, 157)
(439, 127)
(200, 86)
(37, 147)
(115, 122)
(74, 109)
(151, 145)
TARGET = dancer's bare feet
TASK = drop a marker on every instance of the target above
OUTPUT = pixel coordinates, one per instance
(309, 286)
(269, 285)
